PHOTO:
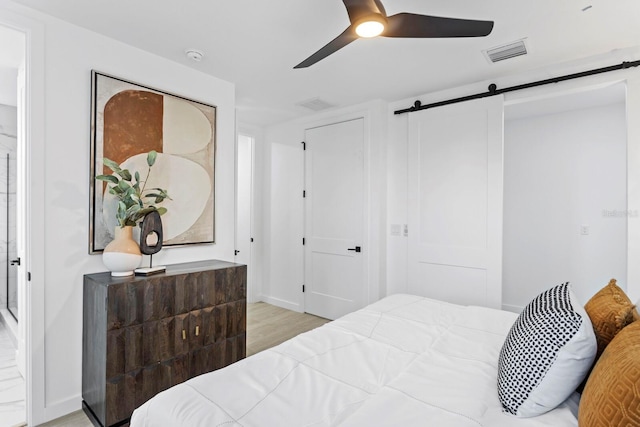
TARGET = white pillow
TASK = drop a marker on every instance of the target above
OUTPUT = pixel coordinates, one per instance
(546, 355)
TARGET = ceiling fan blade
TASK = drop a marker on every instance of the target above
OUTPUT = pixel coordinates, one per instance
(334, 45)
(424, 26)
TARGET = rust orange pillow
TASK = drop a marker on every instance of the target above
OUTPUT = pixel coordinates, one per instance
(612, 394)
(610, 310)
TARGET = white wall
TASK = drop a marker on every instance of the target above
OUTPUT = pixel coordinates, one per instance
(561, 171)
(397, 193)
(69, 56)
(284, 216)
(283, 204)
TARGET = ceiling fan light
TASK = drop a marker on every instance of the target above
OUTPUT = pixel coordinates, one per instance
(372, 26)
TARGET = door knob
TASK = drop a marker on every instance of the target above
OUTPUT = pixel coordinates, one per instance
(356, 249)
(15, 261)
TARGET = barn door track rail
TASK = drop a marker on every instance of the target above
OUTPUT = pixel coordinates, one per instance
(493, 88)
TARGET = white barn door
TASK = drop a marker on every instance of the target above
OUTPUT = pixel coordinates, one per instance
(334, 219)
(455, 202)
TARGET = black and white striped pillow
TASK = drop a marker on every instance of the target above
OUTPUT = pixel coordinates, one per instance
(546, 354)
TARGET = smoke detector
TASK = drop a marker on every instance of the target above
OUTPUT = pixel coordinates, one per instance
(507, 51)
(194, 54)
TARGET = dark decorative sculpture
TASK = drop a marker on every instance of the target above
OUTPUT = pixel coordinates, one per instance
(150, 242)
(151, 233)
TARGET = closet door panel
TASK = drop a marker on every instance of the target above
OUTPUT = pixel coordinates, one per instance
(455, 202)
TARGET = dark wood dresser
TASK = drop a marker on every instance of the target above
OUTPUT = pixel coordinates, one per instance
(144, 334)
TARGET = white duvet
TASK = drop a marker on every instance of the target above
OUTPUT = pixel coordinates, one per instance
(402, 361)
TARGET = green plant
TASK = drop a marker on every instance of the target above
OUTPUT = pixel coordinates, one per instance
(134, 201)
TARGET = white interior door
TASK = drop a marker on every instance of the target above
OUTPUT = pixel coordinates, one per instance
(455, 202)
(334, 219)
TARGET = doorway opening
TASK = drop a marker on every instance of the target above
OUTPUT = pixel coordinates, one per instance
(12, 161)
(8, 161)
(565, 193)
(244, 208)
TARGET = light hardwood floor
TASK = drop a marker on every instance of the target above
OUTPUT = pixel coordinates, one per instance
(267, 326)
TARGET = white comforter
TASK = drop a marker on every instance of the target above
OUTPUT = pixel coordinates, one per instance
(403, 361)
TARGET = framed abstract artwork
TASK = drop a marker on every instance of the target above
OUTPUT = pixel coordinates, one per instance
(127, 121)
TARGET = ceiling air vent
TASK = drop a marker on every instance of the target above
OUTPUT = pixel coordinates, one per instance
(315, 104)
(507, 51)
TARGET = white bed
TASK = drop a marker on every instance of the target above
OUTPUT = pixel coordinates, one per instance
(402, 361)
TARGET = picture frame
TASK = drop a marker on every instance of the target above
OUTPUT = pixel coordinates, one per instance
(127, 121)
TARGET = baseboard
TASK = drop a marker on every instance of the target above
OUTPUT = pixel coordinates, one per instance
(282, 303)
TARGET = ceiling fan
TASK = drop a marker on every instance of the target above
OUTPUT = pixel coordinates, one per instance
(369, 19)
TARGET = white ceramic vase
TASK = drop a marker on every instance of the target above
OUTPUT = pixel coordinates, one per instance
(122, 255)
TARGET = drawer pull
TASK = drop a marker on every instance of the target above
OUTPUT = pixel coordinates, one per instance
(184, 334)
(197, 330)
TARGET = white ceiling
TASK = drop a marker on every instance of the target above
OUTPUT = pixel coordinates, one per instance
(256, 43)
